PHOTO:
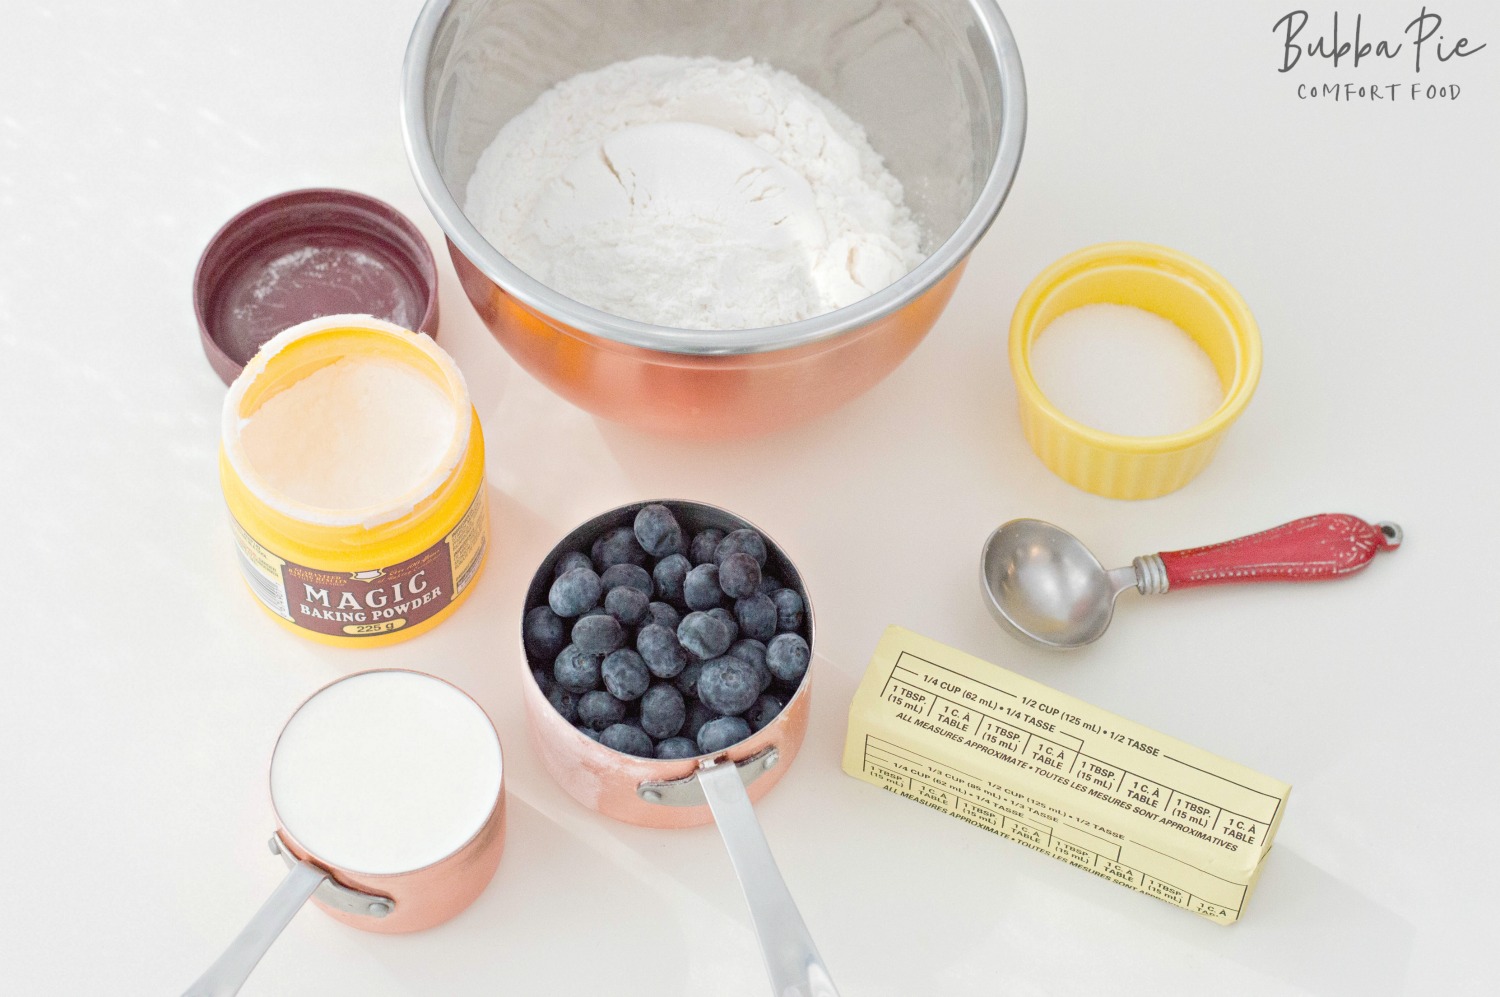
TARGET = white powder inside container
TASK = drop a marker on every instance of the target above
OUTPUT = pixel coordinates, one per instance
(359, 433)
(1125, 370)
(386, 772)
(694, 193)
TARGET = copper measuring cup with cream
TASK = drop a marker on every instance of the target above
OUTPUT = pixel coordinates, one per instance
(388, 788)
(676, 793)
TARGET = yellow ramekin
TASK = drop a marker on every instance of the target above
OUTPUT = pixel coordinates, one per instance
(1170, 284)
(357, 577)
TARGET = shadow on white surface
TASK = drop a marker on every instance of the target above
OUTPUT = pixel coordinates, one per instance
(539, 919)
(1319, 934)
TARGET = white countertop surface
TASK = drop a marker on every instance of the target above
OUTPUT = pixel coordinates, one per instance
(143, 690)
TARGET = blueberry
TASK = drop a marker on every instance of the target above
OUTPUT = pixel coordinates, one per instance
(725, 617)
(669, 574)
(739, 575)
(626, 604)
(575, 592)
(704, 546)
(767, 679)
(787, 656)
(632, 575)
(703, 635)
(664, 616)
(789, 610)
(687, 680)
(588, 732)
(769, 583)
(756, 615)
(599, 710)
(661, 650)
(663, 711)
(625, 674)
(657, 531)
(576, 671)
(543, 679)
(598, 634)
(618, 546)
(544, 633)
(763, 712)
(745, 541)
(729, 685)
(677, 747)
(700, 589)
(719, 734)
(754, 653)
(749, 649)
(697, 716)
(629, 739)
(572, 559)
(565, 703)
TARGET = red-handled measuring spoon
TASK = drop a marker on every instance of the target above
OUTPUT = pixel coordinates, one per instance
(1045, 587)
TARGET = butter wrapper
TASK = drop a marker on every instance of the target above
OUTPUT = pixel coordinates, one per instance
(1029, 763)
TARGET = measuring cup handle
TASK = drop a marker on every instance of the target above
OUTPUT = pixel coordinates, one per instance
(792, 960)
(230, 971)
(1316, 548)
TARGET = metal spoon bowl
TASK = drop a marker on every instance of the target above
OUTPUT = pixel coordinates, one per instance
(1044, 586)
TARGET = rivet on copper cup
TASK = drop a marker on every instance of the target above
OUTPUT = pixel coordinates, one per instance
(389, 794)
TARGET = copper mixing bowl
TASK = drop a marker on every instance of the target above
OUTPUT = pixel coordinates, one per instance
(937, 86)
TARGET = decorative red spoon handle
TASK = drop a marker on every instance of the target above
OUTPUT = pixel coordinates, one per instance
(1320, 547)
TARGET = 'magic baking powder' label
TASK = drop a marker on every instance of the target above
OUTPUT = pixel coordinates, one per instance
(374, 601)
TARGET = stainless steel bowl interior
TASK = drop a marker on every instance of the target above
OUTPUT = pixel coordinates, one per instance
(937, 85)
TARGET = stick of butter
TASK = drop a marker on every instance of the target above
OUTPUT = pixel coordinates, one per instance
(1068, 779)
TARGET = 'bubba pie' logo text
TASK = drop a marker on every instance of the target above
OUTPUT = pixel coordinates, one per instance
(1323, 42)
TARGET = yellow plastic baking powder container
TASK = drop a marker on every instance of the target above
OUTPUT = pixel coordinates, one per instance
(1174, 286)
(356, 576)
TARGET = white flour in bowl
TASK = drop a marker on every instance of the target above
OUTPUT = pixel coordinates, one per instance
(694, 193)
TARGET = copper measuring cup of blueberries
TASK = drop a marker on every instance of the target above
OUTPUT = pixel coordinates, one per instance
(688, 792)
(402, 894)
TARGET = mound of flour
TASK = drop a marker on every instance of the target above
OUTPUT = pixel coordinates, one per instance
(695, 193)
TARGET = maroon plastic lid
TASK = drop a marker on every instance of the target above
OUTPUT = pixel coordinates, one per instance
(305, 254)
